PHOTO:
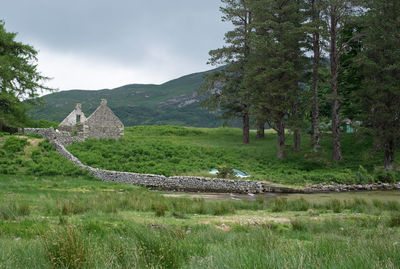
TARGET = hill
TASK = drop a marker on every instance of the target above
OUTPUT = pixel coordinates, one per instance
(174, 102)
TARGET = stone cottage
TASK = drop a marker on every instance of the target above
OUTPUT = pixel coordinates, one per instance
(101, 124)
(74, 121)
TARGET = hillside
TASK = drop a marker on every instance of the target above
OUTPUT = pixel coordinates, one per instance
(174, 102)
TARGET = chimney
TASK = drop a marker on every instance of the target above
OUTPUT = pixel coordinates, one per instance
(103, 102)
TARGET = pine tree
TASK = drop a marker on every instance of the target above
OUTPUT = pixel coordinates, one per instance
(379, 66)
(226, 86)
(274, 67)
(315, 30)
(336, 14)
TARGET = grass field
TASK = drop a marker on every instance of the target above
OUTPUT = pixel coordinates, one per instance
(173, 150)
(55, 216)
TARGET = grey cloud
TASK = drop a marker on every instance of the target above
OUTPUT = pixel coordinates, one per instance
(123, 30)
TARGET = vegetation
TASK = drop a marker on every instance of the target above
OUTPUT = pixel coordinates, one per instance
(174, 102)
(268, 78)
(173, 150)
(63, 221)
(19, 79)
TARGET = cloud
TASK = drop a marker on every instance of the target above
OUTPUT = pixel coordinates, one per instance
(74, 71)
(103, 43)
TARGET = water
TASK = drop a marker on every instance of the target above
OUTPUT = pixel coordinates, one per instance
(221, 196)
(320, 197)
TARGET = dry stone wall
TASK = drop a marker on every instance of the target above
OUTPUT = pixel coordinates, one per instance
(193, 184)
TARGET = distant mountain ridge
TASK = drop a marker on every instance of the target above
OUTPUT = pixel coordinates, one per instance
(174, 102)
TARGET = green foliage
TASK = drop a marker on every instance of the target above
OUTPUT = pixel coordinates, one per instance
(169, 103)
(42, 124)
(46, 161)
(10, 211)
(394, 220)
(15, 144)
(66, 247)
(225, 172)
(383, 175)
(377, 66)
(159, 209)
(171, 150)
(114, 226)
(19, 78)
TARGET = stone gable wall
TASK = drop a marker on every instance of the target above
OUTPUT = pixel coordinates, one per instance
(103, 124)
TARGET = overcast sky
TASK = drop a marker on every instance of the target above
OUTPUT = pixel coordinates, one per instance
(96, 44)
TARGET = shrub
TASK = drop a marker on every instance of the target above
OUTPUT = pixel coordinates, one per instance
(334, 205)
(225, 172)
(386, 176)
(394, 220)
(66, 247)
(159, 209)
(299, 205)
(279, 205)
(14, 144)
(362, 176)
(299, 225)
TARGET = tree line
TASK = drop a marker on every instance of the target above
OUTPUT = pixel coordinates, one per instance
(283, 57)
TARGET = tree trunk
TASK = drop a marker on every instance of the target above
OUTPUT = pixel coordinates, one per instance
(315, 108)
(260, 130)
(296, 133)
(246, 124)
(334, 57)
(389, 155)
(297, 140)
(281, 139)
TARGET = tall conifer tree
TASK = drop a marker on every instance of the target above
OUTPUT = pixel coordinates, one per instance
(379, 66)
(274, 67)
(227, 88)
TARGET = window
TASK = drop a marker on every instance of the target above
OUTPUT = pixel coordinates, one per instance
(78, 119)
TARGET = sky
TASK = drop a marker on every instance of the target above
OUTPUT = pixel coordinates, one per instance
(98, 44)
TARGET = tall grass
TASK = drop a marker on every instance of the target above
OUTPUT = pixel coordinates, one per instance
(172, 150)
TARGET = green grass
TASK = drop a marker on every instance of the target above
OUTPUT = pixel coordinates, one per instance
(174, 150)
(83, 223)
(59, 218)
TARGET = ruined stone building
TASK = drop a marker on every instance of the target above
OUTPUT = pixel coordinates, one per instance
(101, 124)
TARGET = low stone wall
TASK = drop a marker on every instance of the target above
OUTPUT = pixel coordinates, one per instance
(353, 187)
(195, 184)
(62, 137)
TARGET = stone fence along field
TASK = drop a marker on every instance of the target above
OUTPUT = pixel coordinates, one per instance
(189, 183)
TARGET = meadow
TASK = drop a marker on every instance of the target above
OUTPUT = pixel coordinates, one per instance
(55, 216)
(175, 150)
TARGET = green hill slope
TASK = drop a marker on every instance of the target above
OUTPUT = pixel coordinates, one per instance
(174, 102)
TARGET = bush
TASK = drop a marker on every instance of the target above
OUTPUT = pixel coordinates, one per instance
(225, 172)
(159, 209)
(386, 176)
(14, 144)
(362, 176)
(394, 220)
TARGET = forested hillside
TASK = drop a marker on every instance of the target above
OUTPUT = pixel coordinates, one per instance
(174, 102)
